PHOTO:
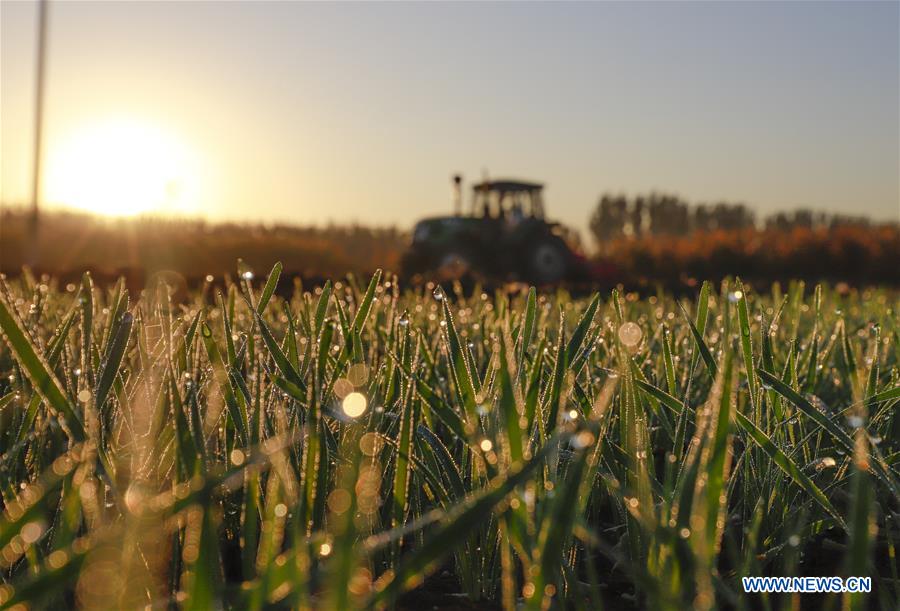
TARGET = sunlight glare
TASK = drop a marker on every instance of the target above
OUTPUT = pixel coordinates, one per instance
(123, 167)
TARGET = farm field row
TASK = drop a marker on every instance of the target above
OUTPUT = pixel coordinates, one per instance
(359, 446)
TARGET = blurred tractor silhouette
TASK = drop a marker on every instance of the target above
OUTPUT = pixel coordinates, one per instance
(503, 238)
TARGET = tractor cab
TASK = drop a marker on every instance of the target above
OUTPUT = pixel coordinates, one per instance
(502, 237)
(505, 198)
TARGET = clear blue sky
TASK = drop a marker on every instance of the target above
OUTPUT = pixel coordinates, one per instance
(360, 112)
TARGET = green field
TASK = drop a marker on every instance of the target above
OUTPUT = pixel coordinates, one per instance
(358, 446)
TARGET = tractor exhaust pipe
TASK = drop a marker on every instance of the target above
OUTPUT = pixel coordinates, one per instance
(457, 194)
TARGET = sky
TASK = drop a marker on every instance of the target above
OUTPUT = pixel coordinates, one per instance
(344, 112)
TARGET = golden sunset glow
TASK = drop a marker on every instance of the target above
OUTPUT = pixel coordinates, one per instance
(123, 167)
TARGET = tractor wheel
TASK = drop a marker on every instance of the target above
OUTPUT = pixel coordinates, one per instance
(548, 261)
(411, 265)
(453, 265)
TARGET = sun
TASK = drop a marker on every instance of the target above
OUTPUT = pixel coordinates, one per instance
(123, 167)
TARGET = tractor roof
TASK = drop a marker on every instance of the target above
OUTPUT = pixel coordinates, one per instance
(505, 185)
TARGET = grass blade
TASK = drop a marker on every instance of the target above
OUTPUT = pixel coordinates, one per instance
(789, 467)
(38, 370)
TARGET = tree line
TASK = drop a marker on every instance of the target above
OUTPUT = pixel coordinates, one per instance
(660, 214)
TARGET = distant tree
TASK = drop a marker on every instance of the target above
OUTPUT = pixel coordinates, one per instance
(702, 219)
(841, 220)
(803, 218)
(667, 215)
(732, 216)
(608, 219)
(807, 219)
(635, 224)
(778, 221)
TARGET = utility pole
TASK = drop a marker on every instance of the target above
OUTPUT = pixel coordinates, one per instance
(37, 170)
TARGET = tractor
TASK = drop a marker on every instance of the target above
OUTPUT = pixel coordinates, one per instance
(503, 238)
